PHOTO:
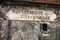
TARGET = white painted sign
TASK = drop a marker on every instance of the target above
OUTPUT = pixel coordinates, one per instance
(31, 15)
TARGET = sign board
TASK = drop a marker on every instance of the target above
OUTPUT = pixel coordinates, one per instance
(31, 15)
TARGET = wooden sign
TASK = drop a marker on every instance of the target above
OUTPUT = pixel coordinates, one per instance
(31, 15)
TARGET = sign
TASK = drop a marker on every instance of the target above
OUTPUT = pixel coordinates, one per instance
(31, 15)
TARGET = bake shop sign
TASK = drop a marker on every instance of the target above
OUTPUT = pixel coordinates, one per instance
(31, 15)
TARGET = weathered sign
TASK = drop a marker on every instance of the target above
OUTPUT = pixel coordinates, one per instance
(31, 15)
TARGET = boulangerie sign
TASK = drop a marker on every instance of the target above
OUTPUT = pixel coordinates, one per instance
(31, 15)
